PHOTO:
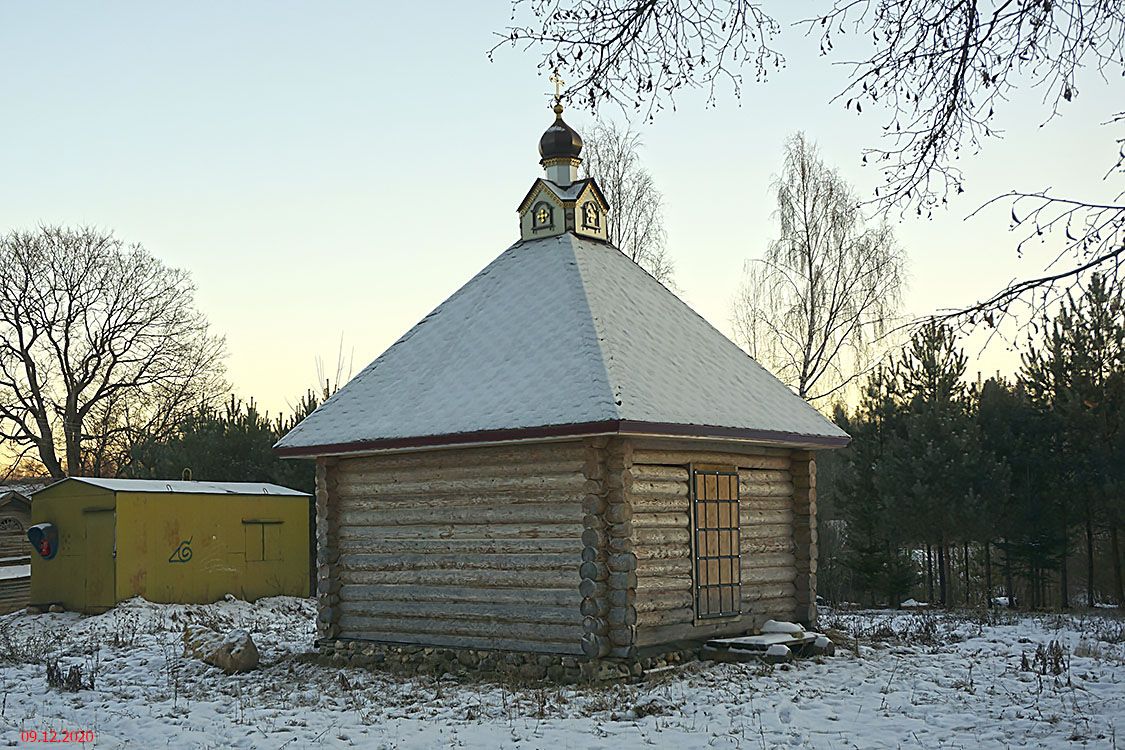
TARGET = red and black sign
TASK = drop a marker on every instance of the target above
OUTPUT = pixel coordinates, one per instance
(44, 537)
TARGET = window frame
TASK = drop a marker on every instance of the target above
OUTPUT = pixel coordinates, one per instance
(591, 216)
(728, 565)
(536, 225)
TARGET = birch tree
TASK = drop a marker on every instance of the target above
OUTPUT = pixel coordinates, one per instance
(611, 154)
(813, 308)
(937, 73)
(100, 345)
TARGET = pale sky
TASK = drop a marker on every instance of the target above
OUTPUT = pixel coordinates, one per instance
(336, 170)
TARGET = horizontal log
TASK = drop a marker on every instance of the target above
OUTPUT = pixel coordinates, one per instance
(662, 568)
(466, 470)
(353, 501)
(490, 629)
(559, 597)
(759, 530)
(683, 458)
(661, 520)
(488, 455)
(485, 562)
(470, 531)
(643, 473)
(657, 600)
(777, 502)
(764, 476)
(462, 611)
(683, 631)
(765, 489)
(537, 485)
(421, 515)
(661, 551)
(523, 643)
(778, 590)
(665, 616)
(367, 539)
(781, 608)
(662, 584)
(750, 547)
(660, 488)
(768, 575)
(660, 503)
(751, 516)
(477, 578)
(783, 559)
(659, 536)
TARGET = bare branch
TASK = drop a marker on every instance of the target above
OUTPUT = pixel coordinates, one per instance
(829, 286)
(611, 155)
(100, 344)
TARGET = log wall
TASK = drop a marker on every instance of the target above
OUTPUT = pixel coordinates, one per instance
(804, 533)
(661, 520)
(468, 548)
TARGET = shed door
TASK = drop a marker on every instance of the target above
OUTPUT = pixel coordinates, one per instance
(99, 560)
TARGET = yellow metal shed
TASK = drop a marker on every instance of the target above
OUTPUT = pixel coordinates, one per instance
(169, 541)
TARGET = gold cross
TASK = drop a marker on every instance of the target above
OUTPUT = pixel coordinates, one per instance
(555, 79)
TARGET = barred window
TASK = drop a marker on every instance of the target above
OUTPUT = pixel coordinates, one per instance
(718, 563)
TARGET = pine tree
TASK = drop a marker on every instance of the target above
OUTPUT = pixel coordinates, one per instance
(1073, 378)
(876, 549)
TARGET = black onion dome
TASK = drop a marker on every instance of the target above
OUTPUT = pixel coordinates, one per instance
(560, 140)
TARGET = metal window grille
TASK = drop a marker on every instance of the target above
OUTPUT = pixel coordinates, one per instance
(718, 562)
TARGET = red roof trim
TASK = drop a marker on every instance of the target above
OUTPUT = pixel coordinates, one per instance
(565, 430)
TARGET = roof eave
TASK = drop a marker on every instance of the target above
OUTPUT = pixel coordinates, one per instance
(561, 432)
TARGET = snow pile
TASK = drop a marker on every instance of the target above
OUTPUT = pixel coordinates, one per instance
(923, 679)
(777, 626)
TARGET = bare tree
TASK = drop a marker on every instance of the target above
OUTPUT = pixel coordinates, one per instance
(939, 70)
(100, 344)
(828, 287)
(636, 207)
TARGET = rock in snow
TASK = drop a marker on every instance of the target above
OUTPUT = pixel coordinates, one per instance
(234, 652)
(777, 626)
(777, 654)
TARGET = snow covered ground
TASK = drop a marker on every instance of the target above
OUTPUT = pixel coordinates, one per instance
(921, 679)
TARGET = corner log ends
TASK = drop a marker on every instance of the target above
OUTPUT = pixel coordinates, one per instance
(804, 533)
(327, 551)
(608, 571)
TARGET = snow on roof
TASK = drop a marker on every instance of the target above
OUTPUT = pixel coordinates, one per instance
(194, 488)
(560, 331)
(565, 193)
(24, 488)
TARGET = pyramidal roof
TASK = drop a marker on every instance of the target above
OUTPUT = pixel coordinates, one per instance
(559, 336)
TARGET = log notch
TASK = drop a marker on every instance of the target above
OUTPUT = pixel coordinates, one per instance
(621, 560)
(661, 507)
(327, 552)
(804, 533)
(470, 548)
(594, 571)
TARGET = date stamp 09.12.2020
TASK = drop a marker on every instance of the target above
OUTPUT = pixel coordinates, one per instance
(57, 736)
